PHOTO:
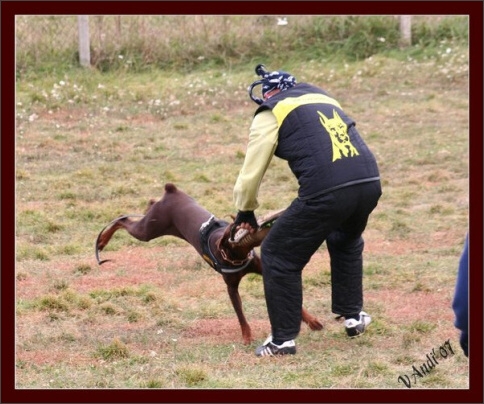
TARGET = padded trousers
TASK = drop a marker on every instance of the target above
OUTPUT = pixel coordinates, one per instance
(339, 218)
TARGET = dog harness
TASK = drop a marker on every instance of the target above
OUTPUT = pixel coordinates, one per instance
(206, 231)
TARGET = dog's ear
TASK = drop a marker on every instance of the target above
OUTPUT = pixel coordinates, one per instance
(151, 202)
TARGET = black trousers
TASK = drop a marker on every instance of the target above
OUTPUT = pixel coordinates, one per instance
(339, 218)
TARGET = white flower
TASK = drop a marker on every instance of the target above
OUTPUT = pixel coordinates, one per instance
(282, 21)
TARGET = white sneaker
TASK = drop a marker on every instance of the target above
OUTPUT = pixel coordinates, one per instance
(268, 348)
(357, 327)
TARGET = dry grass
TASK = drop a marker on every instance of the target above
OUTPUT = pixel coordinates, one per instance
(97, 146)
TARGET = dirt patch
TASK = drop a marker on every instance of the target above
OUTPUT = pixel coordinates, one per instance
(220, 331)
(406, 307)
(377, 244)
(42, 357)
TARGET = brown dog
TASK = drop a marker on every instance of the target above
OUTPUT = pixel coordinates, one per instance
(177, 214)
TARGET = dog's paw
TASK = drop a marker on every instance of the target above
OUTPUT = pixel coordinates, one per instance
(315, 325)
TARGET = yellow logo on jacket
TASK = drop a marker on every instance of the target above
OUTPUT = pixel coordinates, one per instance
(338, 132)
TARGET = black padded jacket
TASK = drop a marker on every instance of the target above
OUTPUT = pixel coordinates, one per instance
(319, 141)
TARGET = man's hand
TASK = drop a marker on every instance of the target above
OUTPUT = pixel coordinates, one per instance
(246, 220)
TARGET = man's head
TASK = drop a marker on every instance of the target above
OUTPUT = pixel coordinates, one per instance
(272, 83)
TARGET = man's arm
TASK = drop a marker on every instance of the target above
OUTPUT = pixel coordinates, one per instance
(262, 144)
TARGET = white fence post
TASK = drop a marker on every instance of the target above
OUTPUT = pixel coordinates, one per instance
(84, 44)
(406, 30)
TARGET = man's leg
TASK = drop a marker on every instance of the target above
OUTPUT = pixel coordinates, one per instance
(289, 246)
(345, 247)
(346, 258)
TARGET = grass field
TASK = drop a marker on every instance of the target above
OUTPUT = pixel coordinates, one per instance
(92, 146)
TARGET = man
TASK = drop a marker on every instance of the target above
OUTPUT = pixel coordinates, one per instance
(339, 186)
(460, 303)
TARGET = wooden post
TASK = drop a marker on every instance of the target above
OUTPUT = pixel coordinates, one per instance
(84, 44)
(405, 30)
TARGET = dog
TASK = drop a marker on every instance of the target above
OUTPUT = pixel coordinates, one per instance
(179, 215)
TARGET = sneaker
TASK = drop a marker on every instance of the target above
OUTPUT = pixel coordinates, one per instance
(357, 327)
(268, 348)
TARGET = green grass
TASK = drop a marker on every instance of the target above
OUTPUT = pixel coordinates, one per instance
(189, 43)
(103, 143)
(115, 350)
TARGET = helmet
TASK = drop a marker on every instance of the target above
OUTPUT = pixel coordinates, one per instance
(270, 81)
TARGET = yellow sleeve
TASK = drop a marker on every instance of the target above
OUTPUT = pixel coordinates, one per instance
(263, 138)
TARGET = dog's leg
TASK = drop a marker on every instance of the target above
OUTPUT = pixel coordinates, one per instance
(140, 230)
(106, 234)
(152, 225)
(232, 281)
(311, 321)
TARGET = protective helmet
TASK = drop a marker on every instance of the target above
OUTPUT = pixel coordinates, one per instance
(270, 81)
